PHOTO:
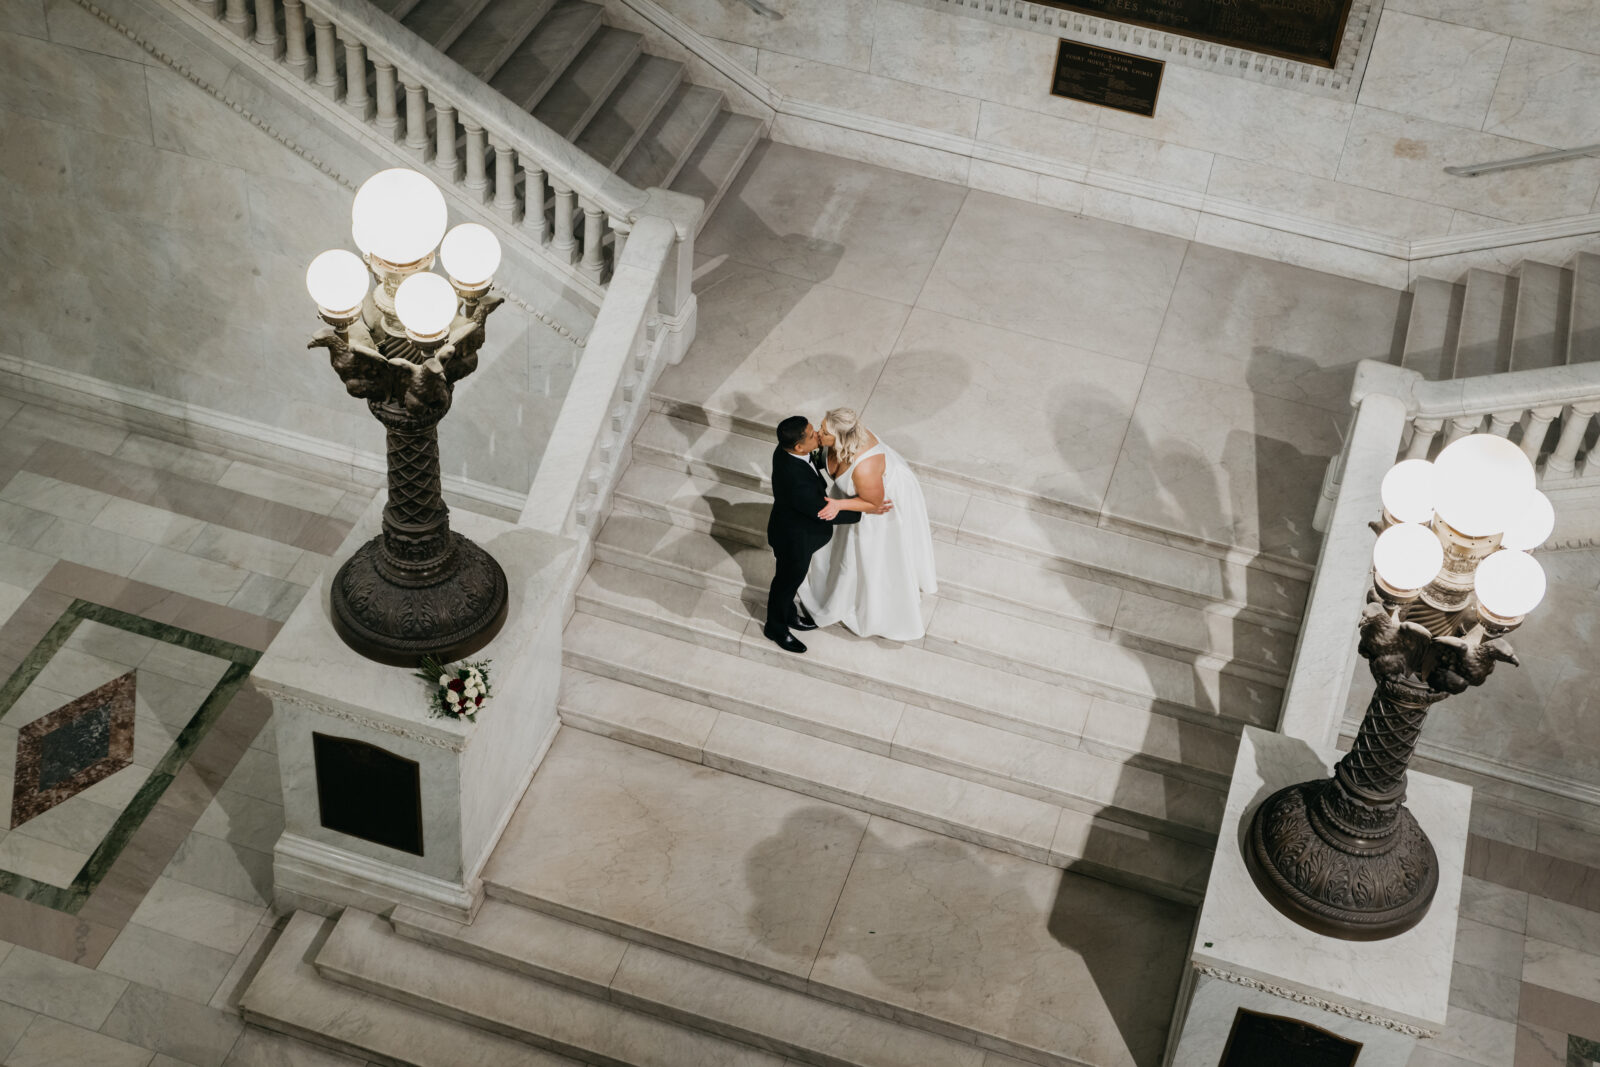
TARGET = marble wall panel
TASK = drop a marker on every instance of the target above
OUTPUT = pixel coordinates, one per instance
(171, 189)
(1339, 203)
(1467, 222)
(1157, 216)
(839, 33)
(73, 25)
(868, 148)
(1002, 180)
(1061, 194)
(34, 163)
(747, 56)
(820, 83)
(1060, 139)
(1547, 95)
(1435, 70)
(1407, 156)
(81, 89)
(1569, 23)
(1145, 157)
(24, 17)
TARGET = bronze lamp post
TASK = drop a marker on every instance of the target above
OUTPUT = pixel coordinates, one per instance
(418, 588)
(1451, 577)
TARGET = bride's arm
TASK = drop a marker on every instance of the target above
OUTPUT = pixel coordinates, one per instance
(868, 479)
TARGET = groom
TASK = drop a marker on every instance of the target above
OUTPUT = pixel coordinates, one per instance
(794, 530)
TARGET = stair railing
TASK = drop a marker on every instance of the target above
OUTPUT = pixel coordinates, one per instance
(1399, 415)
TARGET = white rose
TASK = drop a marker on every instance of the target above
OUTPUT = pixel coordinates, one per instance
(444, 679)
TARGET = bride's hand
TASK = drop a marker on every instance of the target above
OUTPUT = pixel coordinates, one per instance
(883, 508)
(829, 511)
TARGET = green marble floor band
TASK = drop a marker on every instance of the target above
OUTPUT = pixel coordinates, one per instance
(240, 661)
(1582, 1052)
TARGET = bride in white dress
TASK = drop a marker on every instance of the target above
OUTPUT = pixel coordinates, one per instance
(871, 575)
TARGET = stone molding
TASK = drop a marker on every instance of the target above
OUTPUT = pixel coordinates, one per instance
(1333, 1008)
(345, 715)
(302, 865)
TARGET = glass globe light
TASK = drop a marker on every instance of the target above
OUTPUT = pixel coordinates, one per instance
(398, 215)
(1407, 491)
(471, 254)
(1479, 483)
(1532, 526)
(425, 304)
(1509, 584)
(337, 281)
(1407, 556)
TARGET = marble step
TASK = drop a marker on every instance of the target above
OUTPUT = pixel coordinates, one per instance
(988, 948)
(1544, 304)
(971, 575)
(498, 31)
(630, 109)
(440, 22)
(716, 159)
(288, 995)
(580, 90)
(1487, 312)
(665, 147)
(535, 65)
(1432, 327)
(1583, 339)
(364, 952)
(683, 991)
(734, 466)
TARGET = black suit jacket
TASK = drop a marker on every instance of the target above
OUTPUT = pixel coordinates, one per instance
(797, 496)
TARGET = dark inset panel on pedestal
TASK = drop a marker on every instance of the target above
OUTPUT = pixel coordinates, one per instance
(1307, 30)
(368, 792)
(1106, 77)
(1259, 1040)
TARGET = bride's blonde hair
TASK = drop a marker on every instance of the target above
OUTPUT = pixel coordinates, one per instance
(848, 433)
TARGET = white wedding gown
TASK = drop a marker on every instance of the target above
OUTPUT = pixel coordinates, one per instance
(871, 575)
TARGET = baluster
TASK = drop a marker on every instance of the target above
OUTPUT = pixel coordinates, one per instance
(444, 152)
(327, 61)
(1538, 429)
(533, 219)
(417, 121)
(564, 244)
(294, 32)
(208, 7)
(1461, 426)
(620, 228)
(594, 235)
(505, 180)
(1422, 435)
(477, 174)
(1500, 422)
(388, 113)
(1574, 424)
(238, 18)
(267, 38)
(355, 78)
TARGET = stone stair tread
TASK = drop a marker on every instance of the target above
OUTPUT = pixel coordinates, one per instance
(666, 145)
(1583, 344)
(440, 22)
(710, 169)
(365, 951)
(497, 32)
(1539, 331)
(584, 85)
(683, 990)
(630, 109)
(1431, 328)
(1487, 311)
(287, 994)
(635, 713)
(527, 75)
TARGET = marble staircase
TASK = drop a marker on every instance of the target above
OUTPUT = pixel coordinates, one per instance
(594, 85)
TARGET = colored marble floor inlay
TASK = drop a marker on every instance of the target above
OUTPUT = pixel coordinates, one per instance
(97, 721)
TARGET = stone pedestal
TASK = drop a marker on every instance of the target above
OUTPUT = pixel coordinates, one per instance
(409, 806)
(1383, 995)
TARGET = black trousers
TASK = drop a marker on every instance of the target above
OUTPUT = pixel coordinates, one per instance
(786, 579)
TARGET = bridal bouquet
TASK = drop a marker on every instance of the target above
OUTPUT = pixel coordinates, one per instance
(457, 692)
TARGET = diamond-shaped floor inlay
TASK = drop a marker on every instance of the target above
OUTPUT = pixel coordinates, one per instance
(65, 752)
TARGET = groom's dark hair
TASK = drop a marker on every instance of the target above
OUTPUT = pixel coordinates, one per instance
(791, 430)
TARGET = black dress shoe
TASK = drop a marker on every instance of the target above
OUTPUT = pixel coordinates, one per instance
(800, 620)
(786, 641)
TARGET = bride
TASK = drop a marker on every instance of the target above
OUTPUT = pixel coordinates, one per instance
(870, 576)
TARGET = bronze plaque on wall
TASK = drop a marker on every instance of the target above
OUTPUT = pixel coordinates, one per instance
(1110, 79)
(1259, 1040)
(1307, 30)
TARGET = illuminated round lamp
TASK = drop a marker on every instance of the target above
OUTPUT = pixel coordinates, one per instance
(1407, 491)
(398, 217)
(425, 305)
(1480, 482)
(470, 254)
(337, 281)
(1509, 584)
(1406, 558)
(1532, 525)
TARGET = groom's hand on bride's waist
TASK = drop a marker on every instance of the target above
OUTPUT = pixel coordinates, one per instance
(829, 511)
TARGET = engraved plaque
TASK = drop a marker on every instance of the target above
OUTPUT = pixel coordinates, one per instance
(1307, 30)
(368, 792)
(1274, 1041)
(1110, 79)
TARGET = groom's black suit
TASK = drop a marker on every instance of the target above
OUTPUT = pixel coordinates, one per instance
(794, 531)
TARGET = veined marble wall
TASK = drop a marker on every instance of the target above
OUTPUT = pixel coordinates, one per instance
(1226, 160)
(157, 242)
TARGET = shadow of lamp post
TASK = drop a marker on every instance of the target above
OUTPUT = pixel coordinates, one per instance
(1451, 577)
(417, 589)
